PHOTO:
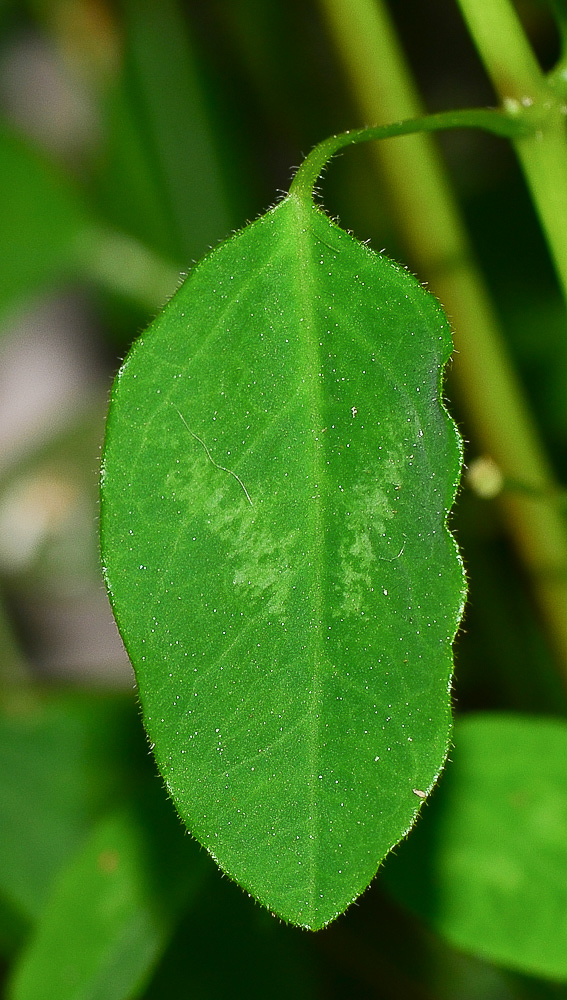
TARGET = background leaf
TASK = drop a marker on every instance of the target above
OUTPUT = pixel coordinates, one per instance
(64, 759)
(485, 867)
(112, 911)
(277, 474)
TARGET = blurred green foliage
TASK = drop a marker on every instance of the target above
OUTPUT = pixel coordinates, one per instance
(134, 136)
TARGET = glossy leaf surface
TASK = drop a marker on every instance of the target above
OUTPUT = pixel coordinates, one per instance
(486, 865)
(277, 474)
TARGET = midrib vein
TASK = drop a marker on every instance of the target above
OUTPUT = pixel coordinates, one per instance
(310, 361)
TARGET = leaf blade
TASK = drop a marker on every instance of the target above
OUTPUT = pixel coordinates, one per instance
(277, 373)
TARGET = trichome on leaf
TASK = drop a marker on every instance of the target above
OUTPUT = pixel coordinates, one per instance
(291, 623)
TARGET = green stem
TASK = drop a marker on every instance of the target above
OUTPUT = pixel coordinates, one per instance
(559, 9)
(505, 50)
(428, 221)
(499, 124)
(520, 83)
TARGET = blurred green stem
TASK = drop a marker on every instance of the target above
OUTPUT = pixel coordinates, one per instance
(505, 51)
(520, 84)
(429, 223)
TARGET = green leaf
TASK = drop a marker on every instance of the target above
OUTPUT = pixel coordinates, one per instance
(64, 758)
(486, 865)
(277, 474)
(112, 911)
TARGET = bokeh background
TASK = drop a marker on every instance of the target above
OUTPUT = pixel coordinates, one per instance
(133, 137)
